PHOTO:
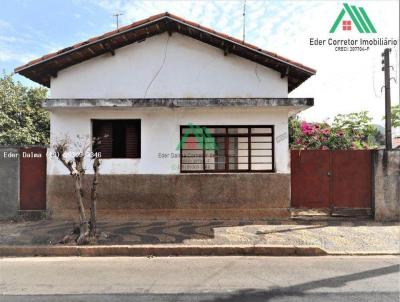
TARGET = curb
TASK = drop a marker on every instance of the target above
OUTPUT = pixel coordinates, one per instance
(164, 250)
(369, 253)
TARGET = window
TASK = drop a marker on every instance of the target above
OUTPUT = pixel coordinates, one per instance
(346, 25)
(117, 138)
(227, 149)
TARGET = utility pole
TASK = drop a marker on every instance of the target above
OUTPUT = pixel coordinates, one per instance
(388, 107)
(116, 15)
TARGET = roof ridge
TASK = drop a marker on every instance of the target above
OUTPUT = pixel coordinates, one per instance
(130, 33)
(150, 19)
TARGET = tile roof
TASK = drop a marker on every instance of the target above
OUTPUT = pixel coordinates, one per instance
(42, 69)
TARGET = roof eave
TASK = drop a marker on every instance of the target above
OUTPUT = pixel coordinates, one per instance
(247, 51)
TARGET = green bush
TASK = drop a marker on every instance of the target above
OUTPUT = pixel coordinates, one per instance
(22, 120)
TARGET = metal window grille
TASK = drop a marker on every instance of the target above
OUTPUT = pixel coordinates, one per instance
(216, 149)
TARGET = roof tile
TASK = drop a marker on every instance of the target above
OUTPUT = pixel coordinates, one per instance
(165, 15)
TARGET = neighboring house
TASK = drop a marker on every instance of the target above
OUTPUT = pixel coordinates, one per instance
(163, 84)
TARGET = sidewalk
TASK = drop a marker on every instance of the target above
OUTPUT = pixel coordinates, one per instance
(333, 237)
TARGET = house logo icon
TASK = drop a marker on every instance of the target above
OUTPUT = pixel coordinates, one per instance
(201, 139)
(358, 16)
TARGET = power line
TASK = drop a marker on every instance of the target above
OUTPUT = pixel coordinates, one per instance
(244, 20)
(374, 83)
(396, 65)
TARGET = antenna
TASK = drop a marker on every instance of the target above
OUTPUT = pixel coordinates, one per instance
(244, 20)
(116, 15)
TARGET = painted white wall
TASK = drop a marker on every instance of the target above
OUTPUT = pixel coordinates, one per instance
(160, 134)
(168, 67)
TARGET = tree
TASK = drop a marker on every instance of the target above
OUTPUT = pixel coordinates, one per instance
(357, 127)
(22, 120)
(395, 116)
(348, 131)
(379, 136)
(86, 233)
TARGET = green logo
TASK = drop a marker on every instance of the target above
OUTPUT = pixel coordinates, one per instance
(203, 137)
(358, 16)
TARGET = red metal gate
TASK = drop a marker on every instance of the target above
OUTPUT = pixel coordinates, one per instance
(33, 178)
(351, 178)
(331, 179)
(310, 179)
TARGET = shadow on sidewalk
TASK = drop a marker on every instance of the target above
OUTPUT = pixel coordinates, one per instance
(45, 232)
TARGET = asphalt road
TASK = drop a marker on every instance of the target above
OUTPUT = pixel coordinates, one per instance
(200, 279)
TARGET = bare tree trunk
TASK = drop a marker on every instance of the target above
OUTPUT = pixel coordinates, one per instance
(79, 187)
(84, 226)
(79, 195)
(93, 198)
(77, 173)
(87, 229)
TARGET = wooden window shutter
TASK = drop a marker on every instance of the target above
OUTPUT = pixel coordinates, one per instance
(132, 139)
(102, 130)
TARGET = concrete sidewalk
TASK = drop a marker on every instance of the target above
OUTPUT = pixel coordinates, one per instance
(332, 237)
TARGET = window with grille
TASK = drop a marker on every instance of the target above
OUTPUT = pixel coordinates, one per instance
(227, 149)
(117, 138)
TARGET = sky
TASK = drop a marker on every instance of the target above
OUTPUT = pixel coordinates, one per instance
(345, 81)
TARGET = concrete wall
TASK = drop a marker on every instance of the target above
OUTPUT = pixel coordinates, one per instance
(387, 185)
(168, 67)
(188, 196)
(160, 134)
(9, 182)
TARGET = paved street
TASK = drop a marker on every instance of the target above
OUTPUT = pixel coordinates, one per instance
(200, 279)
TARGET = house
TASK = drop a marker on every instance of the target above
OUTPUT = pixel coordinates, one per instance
(357, 15)
(194, 123)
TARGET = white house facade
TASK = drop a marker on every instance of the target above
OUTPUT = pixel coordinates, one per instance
(180, 110)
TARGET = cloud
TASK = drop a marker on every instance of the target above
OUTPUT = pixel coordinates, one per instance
(4, 24)
(8, 51)
(345, 82)
(226, 15)
(10, 55)
(21, 44)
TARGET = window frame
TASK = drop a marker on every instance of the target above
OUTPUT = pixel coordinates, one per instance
(248, 135)
(138, 121)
